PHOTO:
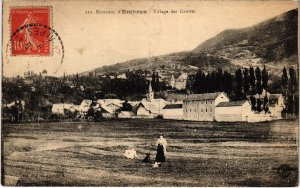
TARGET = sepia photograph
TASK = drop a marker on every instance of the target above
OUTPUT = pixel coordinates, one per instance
(150, 93)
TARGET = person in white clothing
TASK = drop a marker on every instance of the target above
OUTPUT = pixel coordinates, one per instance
(130, 153)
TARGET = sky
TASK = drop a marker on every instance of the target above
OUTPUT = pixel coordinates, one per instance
(95, 40)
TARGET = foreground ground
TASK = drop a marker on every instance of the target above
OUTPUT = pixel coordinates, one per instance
(199, 153)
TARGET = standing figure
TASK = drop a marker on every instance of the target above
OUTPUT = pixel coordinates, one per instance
(161, 151)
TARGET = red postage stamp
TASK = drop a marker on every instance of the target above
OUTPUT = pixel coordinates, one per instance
(33, 40)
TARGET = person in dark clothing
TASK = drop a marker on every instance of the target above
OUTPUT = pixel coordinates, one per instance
(160, 155)
(161, 151)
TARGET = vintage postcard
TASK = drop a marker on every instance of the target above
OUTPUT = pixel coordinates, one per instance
(150, 93)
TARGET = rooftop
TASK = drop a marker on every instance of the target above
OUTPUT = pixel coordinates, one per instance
(173, 106)
(203, 96)
(232, 103)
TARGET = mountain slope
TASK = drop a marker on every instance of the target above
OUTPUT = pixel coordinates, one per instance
(272, 42)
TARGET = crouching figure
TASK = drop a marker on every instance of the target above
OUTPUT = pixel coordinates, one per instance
(130, 153)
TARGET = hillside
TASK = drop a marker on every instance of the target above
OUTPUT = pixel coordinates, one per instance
(272, 42)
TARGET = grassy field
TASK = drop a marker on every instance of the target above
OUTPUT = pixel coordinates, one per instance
(199, 153)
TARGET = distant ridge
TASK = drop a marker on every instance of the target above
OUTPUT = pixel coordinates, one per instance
(272, 42)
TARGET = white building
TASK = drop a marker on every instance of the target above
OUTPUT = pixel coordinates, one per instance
(15, 103)
(173, 111)
(122, 76)
(112, 105)
(59, 108)
(84, 107)
(180, 82)
(233, 111)
(201, 107)
(126, 114)
(276, 105)
(107, 112)
(151, 109)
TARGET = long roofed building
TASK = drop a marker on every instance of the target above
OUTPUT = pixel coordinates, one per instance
(201, 107)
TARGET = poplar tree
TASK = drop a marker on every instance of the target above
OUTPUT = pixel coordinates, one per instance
(253, 102)
(266, 103)
(153, 81)
(292, 88)
(157, 82)
(239, 84)
(228, 82)
(284, 81)
(246, 81)
(252, 80)
(259, 88)
(258, 105)
(265, 78)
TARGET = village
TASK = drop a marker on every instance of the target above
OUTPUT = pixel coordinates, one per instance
(195, 107)
(215, 106)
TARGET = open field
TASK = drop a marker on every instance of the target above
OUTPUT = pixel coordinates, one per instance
(199, 153)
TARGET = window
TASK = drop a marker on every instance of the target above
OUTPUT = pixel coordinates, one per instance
(205, 102)
(201, 110)
(206, 109)
(190, 110)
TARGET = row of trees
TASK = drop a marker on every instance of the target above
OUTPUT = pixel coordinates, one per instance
(290, 90)
(215, 81)
(244, 82)
(135, 86)
(250, 82)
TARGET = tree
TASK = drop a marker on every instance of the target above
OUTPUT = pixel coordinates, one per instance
(292, 89)
(189, 84)
(153, 81)
(246, 81)
(259, 88)
(239, 84)
(284, 82)
(199, 85)
(265, 105)
(252, 80)
(265, 78)
(228, 80)
(253, 102)
(258, 105)
(33, 105)
(157, 82)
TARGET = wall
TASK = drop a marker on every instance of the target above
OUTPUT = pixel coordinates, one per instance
(199, 110)
(234, 113)
(176, 113)
(202, 110)
(142, 111)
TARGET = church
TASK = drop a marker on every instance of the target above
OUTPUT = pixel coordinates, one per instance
(151, 107)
